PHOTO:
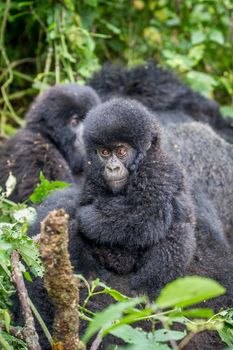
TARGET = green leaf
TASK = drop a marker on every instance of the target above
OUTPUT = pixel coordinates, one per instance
(139, 347)
(216, 36)
(113, 292)
(131, 317)
(70, 5)
(112, 28)
(227, 111)
(28, 214)
(197, 37)
(7, 320)
(45, 188)
(178, 61)
(198, 313)
(187, 291)
(27, 276)
(164, 335)
(196, 53)
(92, 3)
(130, 335)
(226, 333)
(201, 82)
(142, 340)
(111, 314)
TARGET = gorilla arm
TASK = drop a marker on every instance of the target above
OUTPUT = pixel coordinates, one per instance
(164, 247)
(169, 257)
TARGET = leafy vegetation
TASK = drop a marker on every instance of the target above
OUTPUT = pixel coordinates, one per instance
(14, 221)
(43, 42)
(45, 188)
(168, 309)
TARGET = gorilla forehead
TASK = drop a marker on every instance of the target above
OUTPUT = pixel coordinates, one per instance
(63, 100)
(119, 120)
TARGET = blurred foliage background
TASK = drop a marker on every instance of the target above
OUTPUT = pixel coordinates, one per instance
(43, 42)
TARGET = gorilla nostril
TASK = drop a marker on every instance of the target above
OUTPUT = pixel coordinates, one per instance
(113, 168)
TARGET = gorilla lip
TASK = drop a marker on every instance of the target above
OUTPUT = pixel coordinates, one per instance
(117, 182)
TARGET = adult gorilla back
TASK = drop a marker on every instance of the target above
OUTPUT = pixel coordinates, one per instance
(159, 90)
(208, 161)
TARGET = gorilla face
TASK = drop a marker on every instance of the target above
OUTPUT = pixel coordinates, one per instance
(118, 135)
(58, 114)
(115, 160)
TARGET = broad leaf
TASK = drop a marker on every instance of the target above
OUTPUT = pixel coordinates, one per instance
(187, 291)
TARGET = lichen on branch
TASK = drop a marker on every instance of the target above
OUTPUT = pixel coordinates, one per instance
(60, 282)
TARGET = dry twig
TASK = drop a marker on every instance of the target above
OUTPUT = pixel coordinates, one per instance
(29, 330)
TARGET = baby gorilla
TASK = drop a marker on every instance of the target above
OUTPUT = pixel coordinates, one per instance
(51, 141)
(134, 198)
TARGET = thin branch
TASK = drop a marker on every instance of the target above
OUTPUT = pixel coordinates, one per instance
(4, 21)
(48, 64)
(41, 322)
(97, 342)
(172, 342)
(7, 62)
(185, 341)
(19, 94)
(29, 331)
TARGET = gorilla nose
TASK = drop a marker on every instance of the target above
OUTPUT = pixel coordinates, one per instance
(113, 167)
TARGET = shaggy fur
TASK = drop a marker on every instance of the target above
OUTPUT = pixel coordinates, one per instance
(160, 91)
(144, 236)
(208, 160)
(47, 143)
(155, 199)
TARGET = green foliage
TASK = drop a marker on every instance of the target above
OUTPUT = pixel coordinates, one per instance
(187, 291)
(45, 188)
(14, 221)
(226, 333)
(11, 343)
(68, 40)
(169, 308)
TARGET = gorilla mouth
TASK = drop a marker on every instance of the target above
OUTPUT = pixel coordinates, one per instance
(117, 182)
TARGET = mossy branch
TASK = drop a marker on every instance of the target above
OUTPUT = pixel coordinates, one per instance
(60, 282)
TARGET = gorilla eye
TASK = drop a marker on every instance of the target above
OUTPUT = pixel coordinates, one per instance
(104, 152)
(121, 152)
(74, 122)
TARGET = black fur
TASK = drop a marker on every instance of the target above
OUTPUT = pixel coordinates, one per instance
(161, 91)
(208, 160)
(146, 235)
(47, 142)
(155, 198)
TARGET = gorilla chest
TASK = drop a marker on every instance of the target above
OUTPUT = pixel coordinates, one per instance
(118, 260)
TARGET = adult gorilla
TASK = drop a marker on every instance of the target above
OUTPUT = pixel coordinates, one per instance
(161, 91)
(208, 160)
(51, 141)
(133, 225)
